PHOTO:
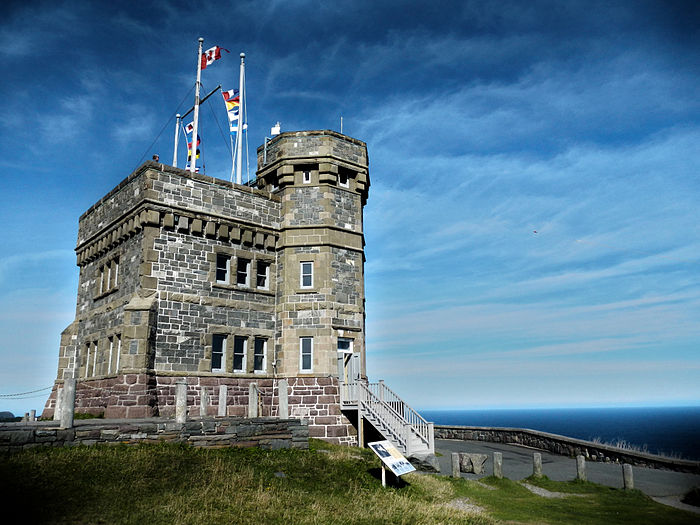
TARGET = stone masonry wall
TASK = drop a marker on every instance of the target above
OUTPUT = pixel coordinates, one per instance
(564, 446)
(266, 433)
(313, 399)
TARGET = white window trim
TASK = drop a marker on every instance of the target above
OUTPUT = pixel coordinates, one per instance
(264, 360)
(247, 272)
(94, 360)
(223, 353)
(245, 353)
(267, 275)
(306, 177)
(350, 350)
(301, 355)
(345, 184)
(301, 274)
(119, 351)
(111, 354)
(227, 278)
(87, 360)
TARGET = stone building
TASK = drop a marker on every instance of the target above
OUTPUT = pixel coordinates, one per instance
(187, 276)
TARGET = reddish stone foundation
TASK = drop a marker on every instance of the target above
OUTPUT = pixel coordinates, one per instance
(315, 399)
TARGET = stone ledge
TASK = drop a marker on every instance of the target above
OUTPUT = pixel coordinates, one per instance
(266, 433)
(565, 446)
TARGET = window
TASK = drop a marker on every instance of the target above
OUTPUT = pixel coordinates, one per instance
(343, 179)
(344, 345)
(259, 354)
(306, 177)
(263, 275)
(306, 352)
(87, 359)
(239, 346)
(119, 351)
(111, 354)
(94, 358)
(307, 275)
(242, 272)
(218, 353)
(107, 277)
(223, 268)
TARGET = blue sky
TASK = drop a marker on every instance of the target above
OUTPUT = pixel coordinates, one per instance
(533, 233)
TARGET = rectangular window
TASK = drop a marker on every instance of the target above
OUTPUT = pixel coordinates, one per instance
(307, 275)
(239, 346)
(223, 268)
(119, 352)
(243, 272)
(218, 353)
(94, 358)
(111, 354)
(87, 359)
(306, 177)
(259, 354)
(306, 353)
(115, 272)
(344, 345)
(343, 179)
(263, 275)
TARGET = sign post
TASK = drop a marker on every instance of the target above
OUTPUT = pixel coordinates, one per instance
(391, 458)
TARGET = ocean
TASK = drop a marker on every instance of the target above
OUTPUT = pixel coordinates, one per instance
(673, 431)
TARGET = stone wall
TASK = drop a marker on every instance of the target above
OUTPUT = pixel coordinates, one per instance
(314, 399)
(266, 433)
(564, 446)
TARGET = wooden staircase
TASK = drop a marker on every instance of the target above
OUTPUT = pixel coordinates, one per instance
(400, 424)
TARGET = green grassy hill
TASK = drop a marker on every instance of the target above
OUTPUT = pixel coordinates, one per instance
(169, 484)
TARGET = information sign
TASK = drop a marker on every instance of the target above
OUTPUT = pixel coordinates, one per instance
(391, 457)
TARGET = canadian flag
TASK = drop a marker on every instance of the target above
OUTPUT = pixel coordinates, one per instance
(212, 54)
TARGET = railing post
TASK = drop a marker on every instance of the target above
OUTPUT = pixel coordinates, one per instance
(431, 437)
(381, 390)
(407, 437)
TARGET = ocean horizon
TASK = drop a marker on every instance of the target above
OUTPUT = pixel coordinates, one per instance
(670, 431)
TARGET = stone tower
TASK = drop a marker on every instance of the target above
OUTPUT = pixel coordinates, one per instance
(187, 276)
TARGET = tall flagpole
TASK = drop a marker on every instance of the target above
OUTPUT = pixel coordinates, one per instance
(177, 134)
(193, 152)
(239, 136)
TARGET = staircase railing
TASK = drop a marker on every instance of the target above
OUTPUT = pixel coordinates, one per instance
(395, 414)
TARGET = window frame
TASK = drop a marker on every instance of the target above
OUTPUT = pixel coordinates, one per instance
(247, 263)
(302, 274)
(243, 368)
(310, 353)
(266, 275)
(223, 338)
(226, 258)
(263, 367)
(306, 177)
(342, 184)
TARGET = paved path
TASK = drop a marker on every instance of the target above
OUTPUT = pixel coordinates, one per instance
(517, 465)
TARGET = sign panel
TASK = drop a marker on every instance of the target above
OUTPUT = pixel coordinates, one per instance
(391, 457)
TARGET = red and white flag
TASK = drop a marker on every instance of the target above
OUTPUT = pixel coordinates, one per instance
(212, 54)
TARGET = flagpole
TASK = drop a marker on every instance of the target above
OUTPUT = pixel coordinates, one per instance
(193, 151)
(239, 141)
(177, 135)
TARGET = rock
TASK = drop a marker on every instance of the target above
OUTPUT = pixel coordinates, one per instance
(425, 462)
(472, 462)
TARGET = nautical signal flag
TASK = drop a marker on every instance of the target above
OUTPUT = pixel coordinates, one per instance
(231, 99)
(189, 128)
(189, 154)
(212, 54)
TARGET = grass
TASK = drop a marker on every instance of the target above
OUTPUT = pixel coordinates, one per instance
(171, 484)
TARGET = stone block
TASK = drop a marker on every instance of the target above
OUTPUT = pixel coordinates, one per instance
(472, 462)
